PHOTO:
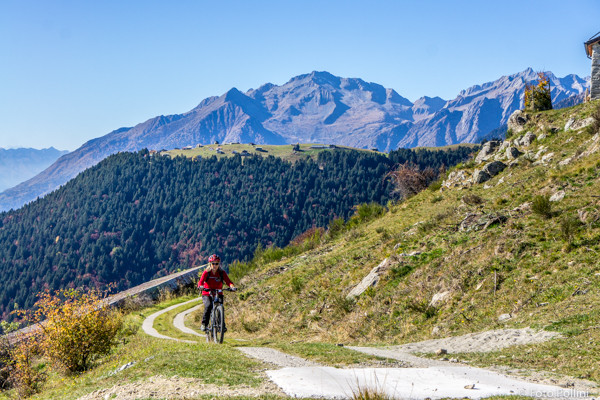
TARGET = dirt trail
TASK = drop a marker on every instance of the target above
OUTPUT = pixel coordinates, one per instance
(159, 387)
(179, 321)
(148, 324)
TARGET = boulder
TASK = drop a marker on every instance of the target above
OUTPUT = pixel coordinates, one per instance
(527, 139)
(486, 151)
(558, 196)
(480, 176)
(512, 153)
(574, 124)
(370, 280)
(494, 168)
(439, 298)
(517, 120)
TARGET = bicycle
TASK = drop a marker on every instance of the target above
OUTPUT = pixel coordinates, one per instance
(215, 331)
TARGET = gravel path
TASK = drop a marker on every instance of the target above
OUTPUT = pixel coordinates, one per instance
(276, 357)
(179, 321)
(480, 342)
(470, 343)
(148, 324)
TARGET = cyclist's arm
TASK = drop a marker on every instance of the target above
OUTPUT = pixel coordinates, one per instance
(202, 280)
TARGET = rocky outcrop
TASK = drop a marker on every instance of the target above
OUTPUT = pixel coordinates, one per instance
(574, 124)
(488, 172)
(526, 139)
(456, 179)
(512, 153)
(487, 151)
(517, 121)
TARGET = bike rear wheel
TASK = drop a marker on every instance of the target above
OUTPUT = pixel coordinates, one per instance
(218, 324)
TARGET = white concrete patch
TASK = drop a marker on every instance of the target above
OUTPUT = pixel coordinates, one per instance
(407, 383)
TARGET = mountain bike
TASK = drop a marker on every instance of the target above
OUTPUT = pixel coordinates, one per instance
(215, 331)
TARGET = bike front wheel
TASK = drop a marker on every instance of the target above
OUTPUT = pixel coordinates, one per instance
(218, 326)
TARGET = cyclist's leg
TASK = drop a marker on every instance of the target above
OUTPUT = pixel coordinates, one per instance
(207, 300)
(222, 302)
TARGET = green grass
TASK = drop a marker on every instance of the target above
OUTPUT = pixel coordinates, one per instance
(283, 151)
(508, 268)
(212, 364)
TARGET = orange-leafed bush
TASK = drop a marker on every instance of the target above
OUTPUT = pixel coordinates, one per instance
(76, 327)
(18, 367)
(538, 97)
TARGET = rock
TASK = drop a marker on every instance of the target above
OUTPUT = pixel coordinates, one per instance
(573, 124)
(440, 352)
(569, 124)
(504, 317)
(523, 207)
(558, 196)
(439, 298)
(566, 161)
(542, 137)
(454, 360)
(370, 280)
(456, 179)
(583, 216)
(411, 254)
(494, 168)
(470, 386)
(545, 159)
(517, 120)
(527, 139)
(480, 176)
(486, 151)
(476, 222)
(512, 153)
(435, 331)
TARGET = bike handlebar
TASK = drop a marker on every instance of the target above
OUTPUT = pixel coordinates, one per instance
(219, 290)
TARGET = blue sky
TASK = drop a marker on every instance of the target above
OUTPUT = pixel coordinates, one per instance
(71, 71)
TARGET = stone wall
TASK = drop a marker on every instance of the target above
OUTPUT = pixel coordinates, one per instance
(595, 84)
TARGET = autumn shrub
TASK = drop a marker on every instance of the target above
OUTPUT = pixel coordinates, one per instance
(409, 179)
(19, 369)
(76, 327)
(537, 97)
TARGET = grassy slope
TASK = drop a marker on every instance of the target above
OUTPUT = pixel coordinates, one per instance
(524, 267)
(283, 151)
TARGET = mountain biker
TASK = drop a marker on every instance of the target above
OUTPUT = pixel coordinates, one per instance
(212, 278)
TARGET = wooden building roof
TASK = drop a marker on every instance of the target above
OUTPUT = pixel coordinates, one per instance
(588, 45)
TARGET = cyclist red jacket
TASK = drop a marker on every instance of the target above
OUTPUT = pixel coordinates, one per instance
(208, 280)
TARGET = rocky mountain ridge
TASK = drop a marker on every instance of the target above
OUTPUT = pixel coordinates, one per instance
(316, 107)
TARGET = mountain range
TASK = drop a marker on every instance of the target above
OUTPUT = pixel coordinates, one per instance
(18, 165)
(317, 107)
